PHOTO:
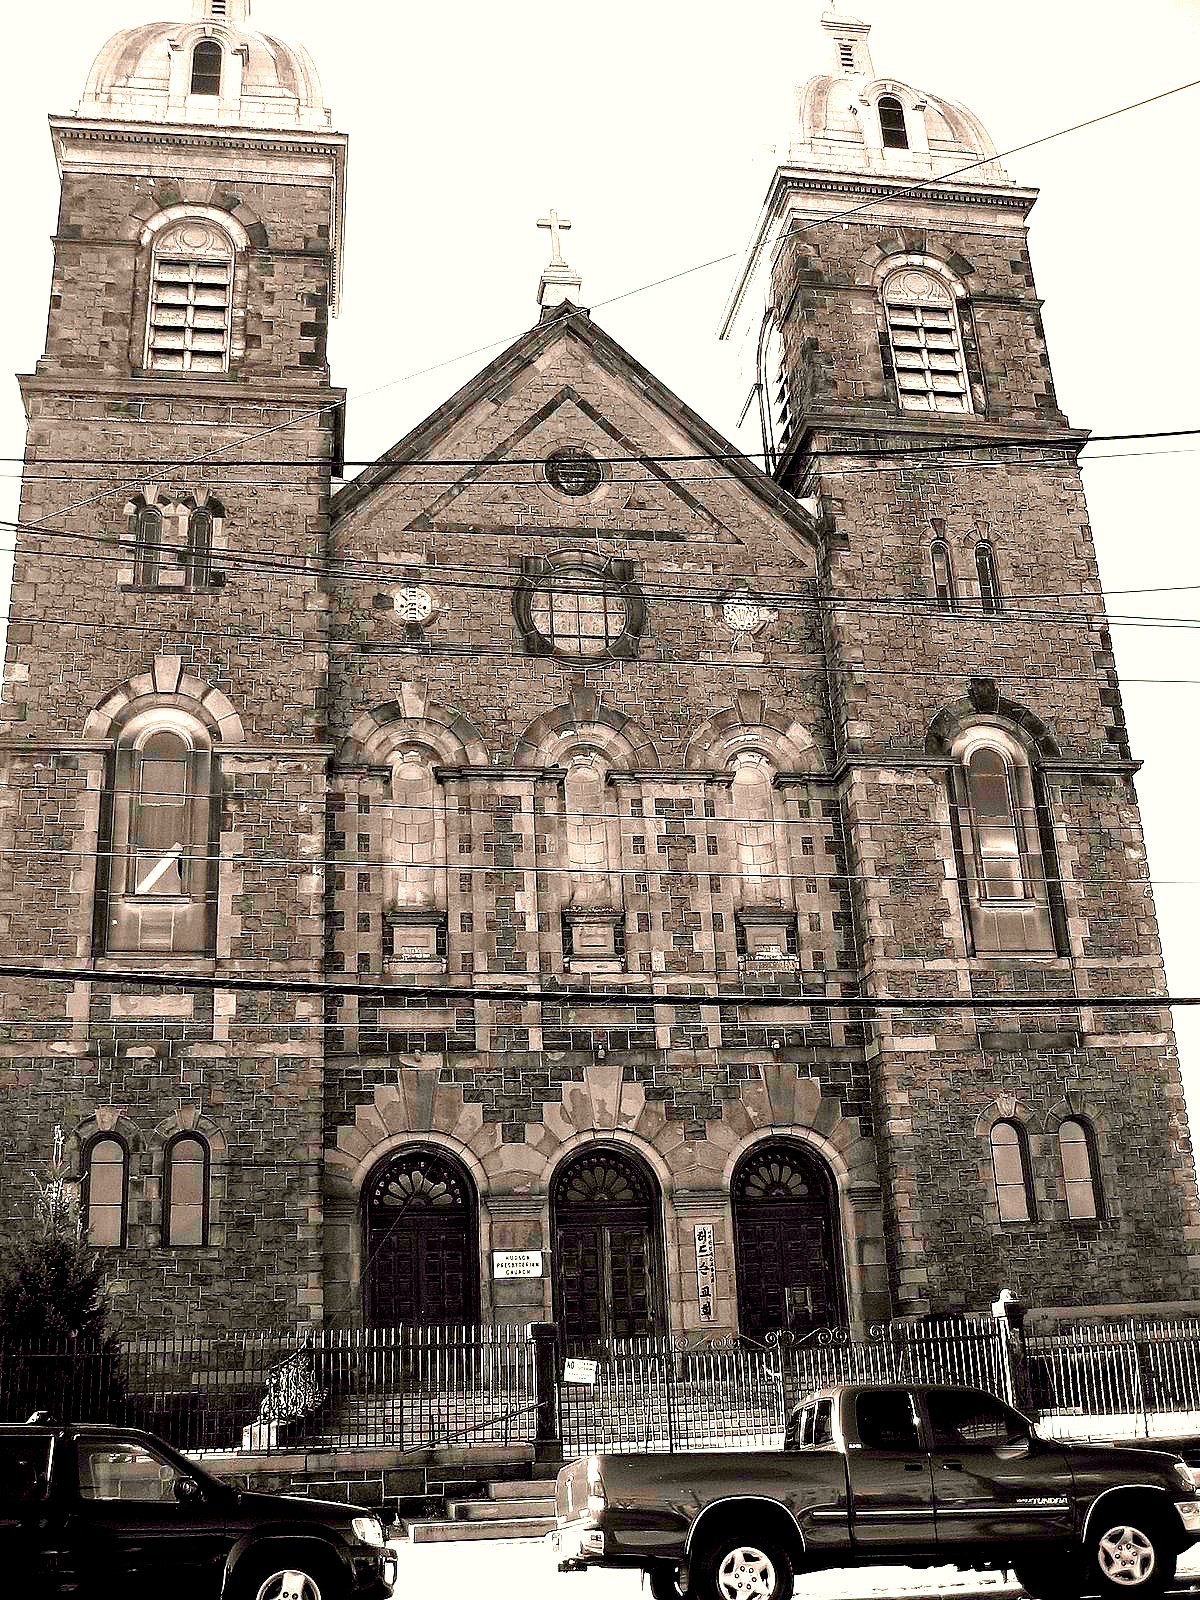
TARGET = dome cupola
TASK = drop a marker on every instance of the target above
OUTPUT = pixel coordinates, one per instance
(852, 121)
(210, 69)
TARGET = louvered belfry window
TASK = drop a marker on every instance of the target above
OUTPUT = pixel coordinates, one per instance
(190, 299)
(926, 345)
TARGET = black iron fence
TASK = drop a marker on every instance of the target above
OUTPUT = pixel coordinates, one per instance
(416, 1387)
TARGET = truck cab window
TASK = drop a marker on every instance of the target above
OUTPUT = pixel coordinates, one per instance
(886, 1420)
(822, 1423)
(964, 1421)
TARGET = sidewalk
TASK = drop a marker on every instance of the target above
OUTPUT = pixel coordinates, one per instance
(932, 1583)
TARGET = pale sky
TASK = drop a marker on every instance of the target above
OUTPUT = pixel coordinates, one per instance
(651, 126)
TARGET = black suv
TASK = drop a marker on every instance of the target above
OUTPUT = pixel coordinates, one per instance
(95, 1509)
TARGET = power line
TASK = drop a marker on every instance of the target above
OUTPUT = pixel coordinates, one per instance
(599, 585)
(923, 186)
(571, 995)
(965, 442)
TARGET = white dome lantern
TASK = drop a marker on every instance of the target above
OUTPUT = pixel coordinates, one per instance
(212, 69)
(852, 121)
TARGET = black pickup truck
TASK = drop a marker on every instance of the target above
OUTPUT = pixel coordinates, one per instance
(101, 1510)
(874, 1475)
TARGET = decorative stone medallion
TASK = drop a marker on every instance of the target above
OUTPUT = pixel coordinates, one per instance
(574, 472)
(745, 615)
(412, 603)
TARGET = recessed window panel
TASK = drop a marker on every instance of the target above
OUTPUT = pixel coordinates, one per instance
(580, 614)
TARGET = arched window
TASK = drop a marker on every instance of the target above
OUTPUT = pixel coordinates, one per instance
(774, 400)
(989, 586)
(185, 1191)
(191, 290)
(105, 1191)
(891, 123)
(1077, 1150)
(997, 824)
(1010, 1168)
(146, 531)
(200, 546)
(998, 840)
(587, 827)
(753, 799)
(943, 575)
(161, 822)
(409, 876)
(922, 323)
(206, 67)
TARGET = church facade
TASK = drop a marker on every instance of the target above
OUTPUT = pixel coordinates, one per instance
(568, 872)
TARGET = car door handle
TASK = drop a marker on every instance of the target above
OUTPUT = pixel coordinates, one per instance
(952, 1466)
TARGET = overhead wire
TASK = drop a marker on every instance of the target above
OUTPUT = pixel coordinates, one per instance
(926, 184)
(542, 993)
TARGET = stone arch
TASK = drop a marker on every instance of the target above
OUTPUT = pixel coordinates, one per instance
(166, 682)
(189, 195)
(113, 1120)
(752, 723)
(1006, 1108)
(984, 700)
(227, 221)
(585, 720)
(412, 715)
(186, 1119)
(416, 1109)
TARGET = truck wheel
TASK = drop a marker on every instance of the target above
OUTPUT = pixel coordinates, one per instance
(1131, 1555)
(281, 1578)
(745, 1569)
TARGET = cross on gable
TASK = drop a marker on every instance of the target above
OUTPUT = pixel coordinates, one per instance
(557, 226)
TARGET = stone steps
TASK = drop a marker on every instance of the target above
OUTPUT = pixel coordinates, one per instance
(512, 1509)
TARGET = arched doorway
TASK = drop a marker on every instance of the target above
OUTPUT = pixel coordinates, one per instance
(785, 1241)
(608, 1253)
(420, 1263)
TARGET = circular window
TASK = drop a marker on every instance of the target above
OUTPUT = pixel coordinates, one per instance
(580, 613)
(574, 472)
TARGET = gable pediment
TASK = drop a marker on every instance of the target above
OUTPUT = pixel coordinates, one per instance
(476, 466)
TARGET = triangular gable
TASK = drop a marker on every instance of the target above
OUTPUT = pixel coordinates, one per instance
(499, 377)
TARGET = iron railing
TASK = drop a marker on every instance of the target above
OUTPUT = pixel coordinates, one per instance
(411, 1388)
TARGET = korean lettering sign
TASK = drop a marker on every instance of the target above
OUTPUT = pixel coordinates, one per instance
(706, 1272)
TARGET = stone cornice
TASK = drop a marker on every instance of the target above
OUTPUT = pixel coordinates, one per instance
(319, 396)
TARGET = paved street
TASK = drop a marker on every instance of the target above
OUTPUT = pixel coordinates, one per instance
(524, 1570)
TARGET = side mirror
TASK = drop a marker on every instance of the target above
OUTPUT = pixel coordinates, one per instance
(188, 1492)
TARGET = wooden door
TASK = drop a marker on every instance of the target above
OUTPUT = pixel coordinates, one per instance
(607, 1271)
(785, 1244)
(419, 1242)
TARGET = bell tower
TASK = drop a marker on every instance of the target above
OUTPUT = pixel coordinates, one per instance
(901, 380)
(167, 656)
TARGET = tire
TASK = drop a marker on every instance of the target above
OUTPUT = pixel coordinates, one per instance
(1129, 1554)
(287, 1576)
(744, 1568)
(1050, 1577)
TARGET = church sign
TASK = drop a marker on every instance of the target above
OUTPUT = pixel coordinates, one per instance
(516, 1263)
(706, 1271)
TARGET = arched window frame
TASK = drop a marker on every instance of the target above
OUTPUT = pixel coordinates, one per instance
(774, 394)
(920, 312)
(941, 565)
(87, 1206)
(1083, 1194)
(1015, 1198)
(139, 919)
(189, 322)
(169, 1200)
(146, 532)
(173, 543)
(207, 68)
(989, 582)
(997, 923)
(893, 126)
